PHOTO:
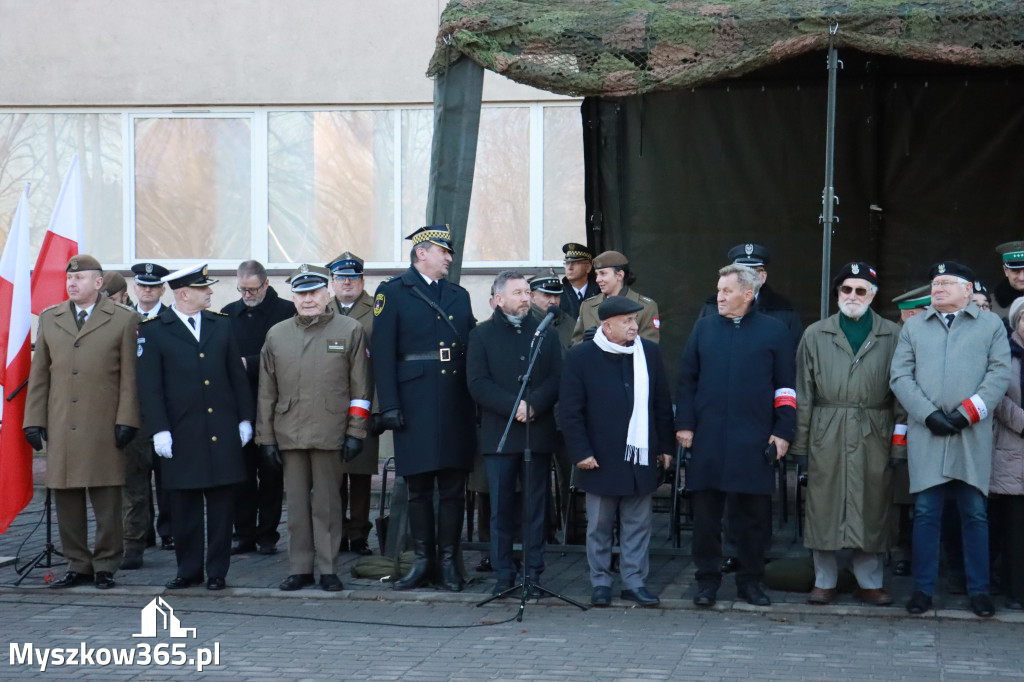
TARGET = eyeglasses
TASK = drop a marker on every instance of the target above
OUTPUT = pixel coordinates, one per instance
(348, 277)
(985, 306)
(946, 283)
(860, 291)
(251, 291)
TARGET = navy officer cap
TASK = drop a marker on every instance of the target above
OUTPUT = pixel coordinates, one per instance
(750, 254)
(614, 306)
(149, 274)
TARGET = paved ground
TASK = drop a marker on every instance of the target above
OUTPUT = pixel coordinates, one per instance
(369, 631)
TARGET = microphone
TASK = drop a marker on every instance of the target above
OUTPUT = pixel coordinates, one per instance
(553, 312)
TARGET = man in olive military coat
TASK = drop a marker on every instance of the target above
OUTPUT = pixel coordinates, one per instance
(197, 404)
(421, 326)
(82, 402)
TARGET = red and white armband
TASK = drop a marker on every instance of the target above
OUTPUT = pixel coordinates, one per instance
(359, 408)
(899, 434)
(785, 397)
(976, 410)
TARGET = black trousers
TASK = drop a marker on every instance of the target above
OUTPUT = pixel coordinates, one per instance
(187, 509)
(451, 492)
(164, 527)
(750, 517)
(258, 500)
(1009, 512)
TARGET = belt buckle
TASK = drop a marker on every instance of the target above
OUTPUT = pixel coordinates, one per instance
(446, 354)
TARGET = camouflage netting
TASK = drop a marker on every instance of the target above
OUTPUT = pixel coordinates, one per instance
(626, 47)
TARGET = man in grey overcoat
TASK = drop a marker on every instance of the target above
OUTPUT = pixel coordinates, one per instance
(950, 370)
(846, 418)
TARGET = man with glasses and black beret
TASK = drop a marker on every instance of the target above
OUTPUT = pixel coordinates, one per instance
(259, 498)
(950, 371)
(350, 299)
(847, 411)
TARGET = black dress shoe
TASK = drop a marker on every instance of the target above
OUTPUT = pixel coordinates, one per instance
(296, 582)
(919, 603)
(104, 580)
(601, 596)
(267, 548)
(361, 547)
(485, 566)
(641, 596)
(729, 565)
(216, 584)
(72, 578)
(981, 604)
(902, 567)
(331, 583)
(181, 583)
(167, 542)
(754, 595)
(706, 596)
(243, 548)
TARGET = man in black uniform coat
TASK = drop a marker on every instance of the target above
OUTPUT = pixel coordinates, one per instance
(197, 404)
(258, 498)
(579, 282)
(420, 330)
(499, 355)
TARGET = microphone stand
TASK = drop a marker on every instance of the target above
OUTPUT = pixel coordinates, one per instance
(528, 584)
(46, 555)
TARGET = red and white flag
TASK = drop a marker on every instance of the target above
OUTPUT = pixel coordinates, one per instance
(16, 354)
(63, 239)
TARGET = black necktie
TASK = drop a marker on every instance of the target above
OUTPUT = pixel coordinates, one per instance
(580, 295)
(435, 290)
(345, 311)
(949, 319)
(80, 320)
(192, 322)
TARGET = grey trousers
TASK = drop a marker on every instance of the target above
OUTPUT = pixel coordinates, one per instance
(634, 538)
(312, 486)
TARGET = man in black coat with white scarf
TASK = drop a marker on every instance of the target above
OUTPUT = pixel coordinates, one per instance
(616, 416)
(498, 358)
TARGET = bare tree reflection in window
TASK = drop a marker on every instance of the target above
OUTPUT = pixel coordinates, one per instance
(564, 208)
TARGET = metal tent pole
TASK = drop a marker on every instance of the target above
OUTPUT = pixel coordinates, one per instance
(828, 196)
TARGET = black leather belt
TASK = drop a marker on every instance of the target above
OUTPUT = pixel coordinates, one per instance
(442, 355)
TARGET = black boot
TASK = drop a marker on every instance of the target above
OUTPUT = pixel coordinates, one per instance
(421, 527)
(449, 533)
(450, 578)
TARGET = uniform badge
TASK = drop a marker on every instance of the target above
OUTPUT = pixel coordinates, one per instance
(942, 268)
(138, 348)
(855, 269)
(748, 249)
(149, 268)
(378, 304)
(303, 268)
(74, 263)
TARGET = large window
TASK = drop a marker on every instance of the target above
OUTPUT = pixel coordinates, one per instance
(287, 186)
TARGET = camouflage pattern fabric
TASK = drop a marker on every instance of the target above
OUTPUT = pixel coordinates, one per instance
(615, 48)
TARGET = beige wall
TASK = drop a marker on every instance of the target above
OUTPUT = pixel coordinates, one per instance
(222, 52)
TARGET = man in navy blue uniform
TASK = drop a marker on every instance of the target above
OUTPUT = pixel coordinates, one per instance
(499, 355)
(736, 410)
(197, 405)
(616, 416)
(420, 331)
(579, 282)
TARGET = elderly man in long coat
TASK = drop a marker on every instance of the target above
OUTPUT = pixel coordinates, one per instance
(950, 371)
(736, 409)
(82, 402)
(845, 431)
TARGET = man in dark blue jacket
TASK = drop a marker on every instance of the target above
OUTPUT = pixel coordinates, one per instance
(736, 410)
(498, 358)
(616, 416)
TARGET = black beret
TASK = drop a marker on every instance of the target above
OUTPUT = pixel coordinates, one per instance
(617, 305)
(858, 270)
(951, 267)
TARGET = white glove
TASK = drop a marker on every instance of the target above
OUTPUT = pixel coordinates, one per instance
(162, 444)
(245, 431)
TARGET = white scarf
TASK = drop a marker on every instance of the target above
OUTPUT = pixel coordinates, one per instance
(637, 438)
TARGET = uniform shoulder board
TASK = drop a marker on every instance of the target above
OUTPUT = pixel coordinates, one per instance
(149, 319)
(217, 312)
(48, 308)
(125, 307)
(645, 299)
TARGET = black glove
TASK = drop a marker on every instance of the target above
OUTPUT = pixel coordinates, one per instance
(123, 435)
(392, 420)
(271, 455)
(938, 423)
(801, 461)
(958, 421)
(895, 462)
(376, 428)
(35, 435)
(588, 333)
(351, 449)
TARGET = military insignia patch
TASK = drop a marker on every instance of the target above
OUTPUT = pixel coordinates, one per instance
(748, 249)
(942, 268)
(855, 269)
(378, 304)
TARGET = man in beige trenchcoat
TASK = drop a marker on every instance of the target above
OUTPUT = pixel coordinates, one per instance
(82, 400)
(846, 417)
(313, 411)
(351, 299)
